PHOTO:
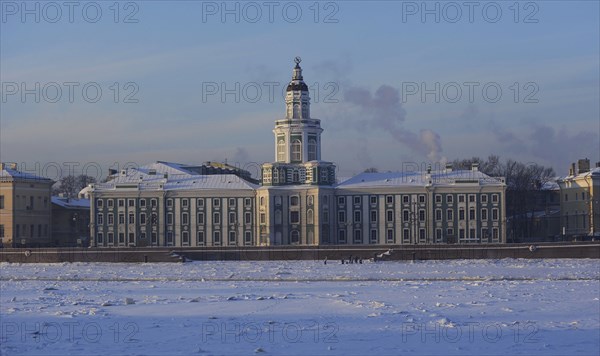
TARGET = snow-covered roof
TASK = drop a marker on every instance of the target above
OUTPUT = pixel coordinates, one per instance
(69, 203)
(8, 172)
(392, 179)
(592, 172)
(171, 176)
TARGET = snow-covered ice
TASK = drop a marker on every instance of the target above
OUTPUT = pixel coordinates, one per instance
(484, 307)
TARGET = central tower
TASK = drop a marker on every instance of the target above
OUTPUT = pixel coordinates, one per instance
(298, 141)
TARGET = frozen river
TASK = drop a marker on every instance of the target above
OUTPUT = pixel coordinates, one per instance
(486, 307)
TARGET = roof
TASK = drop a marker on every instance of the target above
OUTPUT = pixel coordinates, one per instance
(395, 179)
(69, 203)
(8, 172)
(594, 172)
(171, 176)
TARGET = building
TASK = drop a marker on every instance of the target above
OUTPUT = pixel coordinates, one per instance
(299, 200)
(579, 196)
(25, 209)
(70, 222)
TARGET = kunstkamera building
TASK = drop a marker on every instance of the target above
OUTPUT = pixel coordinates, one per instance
(298, 200)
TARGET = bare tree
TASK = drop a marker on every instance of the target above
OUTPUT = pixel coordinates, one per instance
(70, 185)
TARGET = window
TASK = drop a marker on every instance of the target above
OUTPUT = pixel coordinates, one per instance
(389, 216)
(495, 234)
(373, 214)
(216, 202)
(461, 234)
(294, 237)
(312, 149)
(310, 200)
(484, 198)
(110, 203)
(99, 238)
(471, 198)
(294, 200)
(185, 219)
(185, 203)
(281, 151)
(373, 200)
(248, 218)
(131, 238)
(357, 215)
(131, 219)
(422, 235)
(154, 219)
(294, 217)
(170, 219)
(449, 199)
(232, 239)
(438, 235)
(309, 216)
(169, 238)
(341, 200)
(356, 200)
(438, 214)
(484, 213)
(485, 234)
(121, 203)
(449, 214)
(170, 203)
(373, 236)
(406, 235)
(461, 214)
(390, 236)
(461, 198)
(248, 202)
(200, 238)
(99, 202)
(262, 201)
(154, 236)
(142, 203)
(231, 202)
(143, 218)
(216, 218)
(405, 215)
(389, 199)
(142, 235)
(472, 234)
(341, 216)
(494, 198)
(200, 218)
(100, 219)
(200, 203)
(296, 150)
(421, 199)
(494, 214)
(217, 237)
(263, 218)
(153, 203)
(450, 231)
(110, 219)
(111, 238)
(438, 198)
(471, 214)
(248, 238)
(121, 218)
(131, 202)
(232, 218)
(405, 199)
(121, 238)
(357, 236)
(342, 236)
(422, 215)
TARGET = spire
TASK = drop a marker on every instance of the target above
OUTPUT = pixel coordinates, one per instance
(297, 82)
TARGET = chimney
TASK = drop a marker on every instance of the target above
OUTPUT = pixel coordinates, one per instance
(448, 167)
(475, 167)
(583, 165)
(572, 171)
(598, 164)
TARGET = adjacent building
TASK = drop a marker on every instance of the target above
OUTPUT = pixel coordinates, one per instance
(25, 209)
(70, 222)
(298, 200)
(579, 200)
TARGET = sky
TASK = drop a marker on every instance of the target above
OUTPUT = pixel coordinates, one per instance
(109, 84)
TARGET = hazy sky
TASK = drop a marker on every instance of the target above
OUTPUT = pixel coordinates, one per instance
(368, 63)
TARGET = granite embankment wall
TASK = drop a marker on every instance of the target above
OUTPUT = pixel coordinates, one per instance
(422, 252)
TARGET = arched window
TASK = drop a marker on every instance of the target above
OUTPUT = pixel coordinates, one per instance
(281, 151)
(309, 216)
(296, 150)
(295, 237)
(295, 176)
(312, 149)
